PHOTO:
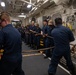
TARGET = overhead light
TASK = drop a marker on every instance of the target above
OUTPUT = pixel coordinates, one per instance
(22, 13)
(3, 4)
(29, 6)
(24, 16)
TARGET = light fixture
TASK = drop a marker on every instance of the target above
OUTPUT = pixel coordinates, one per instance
(3, 4)
(24, 16)
(29, 6)
(22, 13)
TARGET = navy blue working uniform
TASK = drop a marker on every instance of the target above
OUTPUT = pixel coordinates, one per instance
(28, 40)
(21, 30)
(45, 31)
(33, 28)
(11, 62)
(27, 34)
(62, 37)
(37, 38)
(50, 40)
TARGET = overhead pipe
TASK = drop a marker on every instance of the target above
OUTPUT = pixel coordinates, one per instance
(28, 2)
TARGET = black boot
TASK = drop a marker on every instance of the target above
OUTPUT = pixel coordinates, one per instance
(50, 74)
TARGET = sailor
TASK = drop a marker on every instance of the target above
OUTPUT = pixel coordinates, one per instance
(10, 39)
(37, 36)
(49, 39)
(62, 37)
(32, 29)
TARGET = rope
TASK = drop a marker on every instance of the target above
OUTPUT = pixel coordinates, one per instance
(37, 50)
(40, 33)
(27, 51)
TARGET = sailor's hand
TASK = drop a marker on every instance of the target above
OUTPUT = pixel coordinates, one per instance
(46, 34)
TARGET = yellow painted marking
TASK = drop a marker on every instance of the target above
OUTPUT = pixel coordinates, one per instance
(1, 50)
(41, 41)
(42, 44)
(31, 54)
